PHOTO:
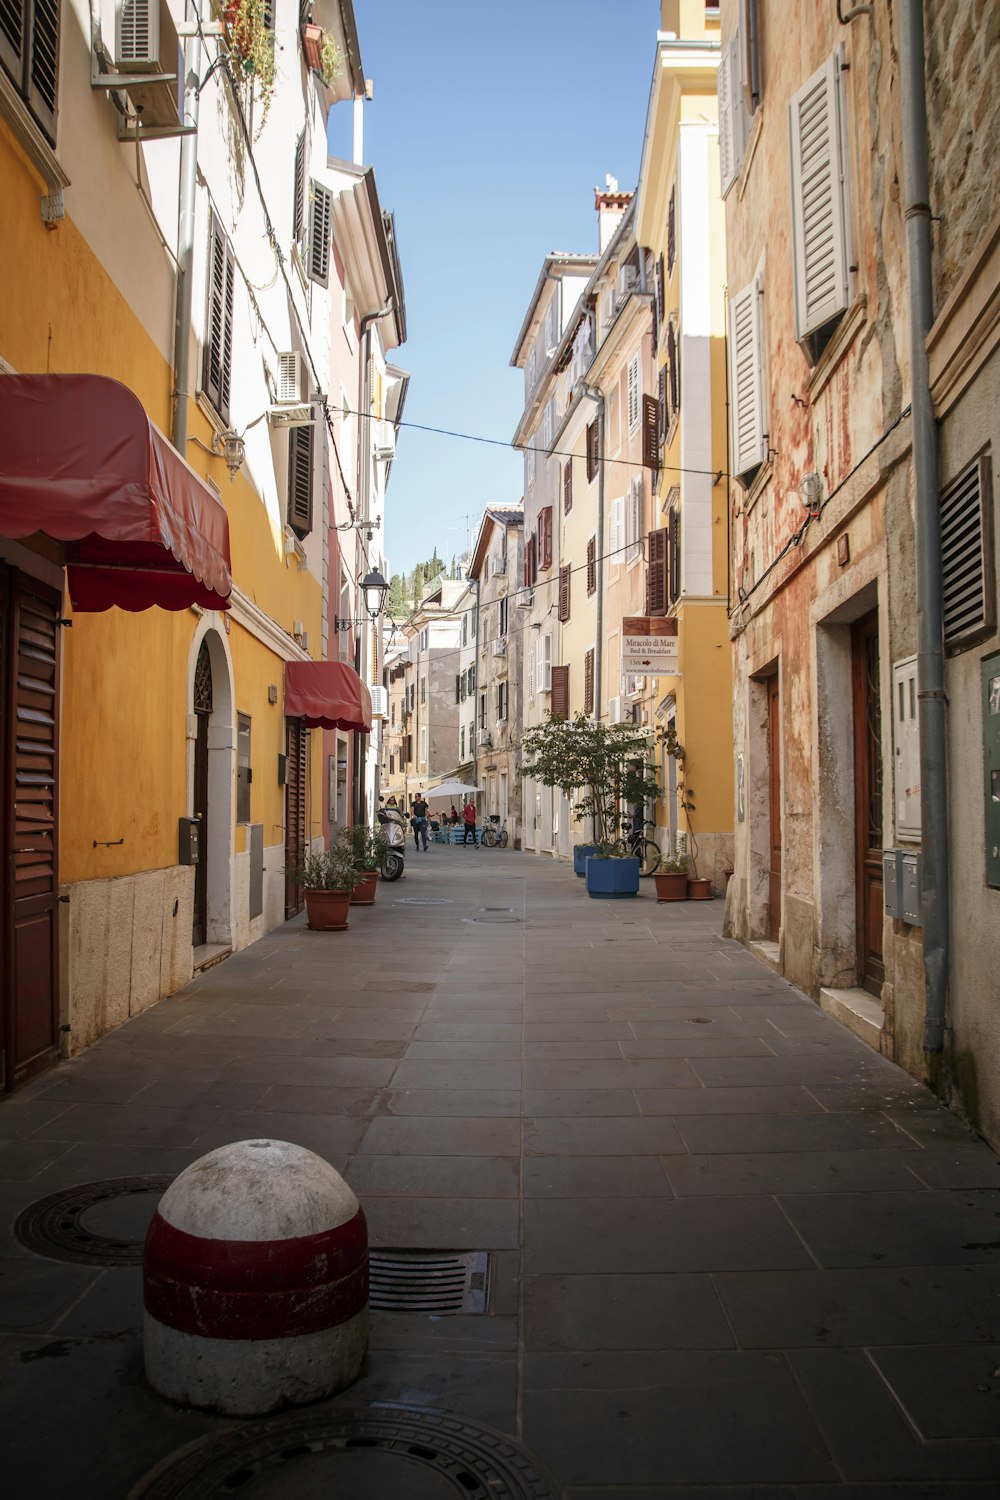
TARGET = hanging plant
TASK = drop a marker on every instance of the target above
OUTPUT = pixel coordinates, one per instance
(331, 59)
(251, 46)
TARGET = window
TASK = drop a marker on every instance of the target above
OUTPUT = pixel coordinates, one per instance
(650, 432)
(29, 52)
(423, 689)
(482, 710)
(244, 774)
(410, 695)
(674, 528)
(532, 371)
(300, 480)
(462, 749)
(529, 460)
(633, 520)
(559, 705)
(545, 538)
(459, 686)
(502, 701)
(672, 230)
(299, 191)
(656, 572)
(568, 487)
(673, 368)
(219, 320)
(565, 577)
(746, 382)
(547, 423)
(423, 747)
(531, 561)
(544, 650)
(532, 660)
(967, 558)
(738, 93)
(592, 566)
(392, 714)
(422, 638)
(504, 609)
(465, 629)
(820, 235)
(409, 749)
(320, 221)
(392, 764)
(634, 392)
(593, 455)
(588, 682)
(616, 531)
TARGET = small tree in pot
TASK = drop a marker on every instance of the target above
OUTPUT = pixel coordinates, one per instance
(699, 887)
(368, 848)
(328, 880)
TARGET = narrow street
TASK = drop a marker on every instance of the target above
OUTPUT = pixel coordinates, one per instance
(730, 1245)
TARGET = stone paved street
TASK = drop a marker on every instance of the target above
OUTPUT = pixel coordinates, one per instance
(732, 1246)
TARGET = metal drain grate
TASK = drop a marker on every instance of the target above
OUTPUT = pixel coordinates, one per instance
(381, 1451)
(494, 914)
(432, 1281)
(423, 901)
(54, 1226)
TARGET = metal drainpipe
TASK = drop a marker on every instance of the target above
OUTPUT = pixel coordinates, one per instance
(475, 704)
(364, 514)
(930, 614)
(598, 396)
(185, 241)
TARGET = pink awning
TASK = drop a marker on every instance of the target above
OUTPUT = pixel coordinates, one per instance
(81, 462)
(327, 695)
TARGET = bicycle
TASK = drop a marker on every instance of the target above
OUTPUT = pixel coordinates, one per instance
(494, 837)
(636, 844)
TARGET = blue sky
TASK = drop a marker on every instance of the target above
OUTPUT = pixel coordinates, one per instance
(489, 129)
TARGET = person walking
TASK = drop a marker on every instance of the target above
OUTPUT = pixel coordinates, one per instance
(469, 819)
(420, 821)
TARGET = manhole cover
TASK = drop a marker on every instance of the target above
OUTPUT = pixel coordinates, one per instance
(94, 1223)
(429, 1281)
(381, 1453)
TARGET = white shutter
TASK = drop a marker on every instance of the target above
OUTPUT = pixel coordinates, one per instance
(547, 423)
(731, 113)
(746, 379)
(819, 219)
(544, 649)
(531, 673)
(530, 459)
(633, 519)
(614, 710)
(617, 537)
(634, 393)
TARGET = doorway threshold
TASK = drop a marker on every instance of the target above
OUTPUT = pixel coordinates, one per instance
(858, 1011)
(769, 953)
(207, 955)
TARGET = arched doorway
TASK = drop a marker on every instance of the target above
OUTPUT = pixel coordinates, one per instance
(200, 809)
(212, 750)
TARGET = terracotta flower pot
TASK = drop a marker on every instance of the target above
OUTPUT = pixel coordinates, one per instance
(364, 893)
(671, 885)
(312, 41)
(699, 888)
(327, 911)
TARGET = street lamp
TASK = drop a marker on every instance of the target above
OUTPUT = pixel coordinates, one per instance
(376, 591)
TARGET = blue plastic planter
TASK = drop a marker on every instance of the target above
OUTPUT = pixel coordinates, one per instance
(580, 852)
(612, 877)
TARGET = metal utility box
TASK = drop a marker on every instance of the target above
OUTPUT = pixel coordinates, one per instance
(891, 881)
(189, 841)
(991, 766)
(910, 888)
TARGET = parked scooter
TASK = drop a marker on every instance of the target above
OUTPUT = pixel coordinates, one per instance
(393, 825)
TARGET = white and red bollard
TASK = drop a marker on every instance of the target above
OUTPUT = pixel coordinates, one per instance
(255, 1281)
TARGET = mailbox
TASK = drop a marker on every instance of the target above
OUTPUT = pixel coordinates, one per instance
(891, 881)
(189, 841)
(910, 889)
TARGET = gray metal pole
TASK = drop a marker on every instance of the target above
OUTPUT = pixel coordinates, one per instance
(185, 240)
(930, 614)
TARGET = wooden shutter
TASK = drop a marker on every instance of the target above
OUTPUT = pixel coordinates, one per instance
(219, 336)
(746, 381)
(672, 230)
(674, 528)
(634, 393)
(568, 487)
(819, 227)
(300, 480)
(650, 432)
(592, 453)
(320, 220)
(295, 811)
(299, 189)
(588, 682)
(966, 558)
(559, 704)
(565, 575)
(545, 538)
(673, 370)
(29, 788)
(533, 559)
(12, 37)
(661, 407)
(592, 566)
(43, 70)
(656, 572)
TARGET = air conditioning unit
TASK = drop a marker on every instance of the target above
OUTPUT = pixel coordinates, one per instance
(628, 280)
(499, 566)
(484, 739)
(146, 42)
(525, 598)
(500, 646)
(380, 702)
(288, 381)
(384, 441)
(614, 710)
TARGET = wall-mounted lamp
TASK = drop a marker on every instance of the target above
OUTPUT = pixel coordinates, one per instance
(375, 591)
(811, 490)
(233, 449)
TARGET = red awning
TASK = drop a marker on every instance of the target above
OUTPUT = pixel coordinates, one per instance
(327, 695)
(81, 462)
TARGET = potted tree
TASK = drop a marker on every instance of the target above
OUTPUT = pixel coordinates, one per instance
(328, 880)
(607, 767)
(699, 887)
(671, 880)
(368, 847)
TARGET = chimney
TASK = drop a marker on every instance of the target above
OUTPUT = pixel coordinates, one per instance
(611, 205)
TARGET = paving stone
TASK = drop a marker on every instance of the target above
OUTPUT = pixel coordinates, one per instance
(415, 1136)
(697, 1046)
(442, 1223)
(623, 1312)
(948, 1393)
(649, 1136)
(770, 1132)
(463, 1051)
(35, 1291)
(695, 1099)
(951, 1228)
(595, 1176)
(832, 1172)
(461, 1031)
(434, 1176)
(93, 1161)
(623, 1074)
(334, 1099)
(22, 1160)
(445, 1102)
(580, 1103)
(481, 1387)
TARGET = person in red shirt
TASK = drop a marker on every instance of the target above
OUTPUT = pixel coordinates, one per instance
(469, 819)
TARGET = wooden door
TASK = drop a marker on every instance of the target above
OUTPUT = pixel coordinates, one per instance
(29, 777)
(868, 802)
(295, 811)
(203, 714)
(774, 765)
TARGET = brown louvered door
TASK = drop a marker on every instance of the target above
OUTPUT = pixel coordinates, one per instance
(656, 572)
(774, 761)
(295, 812)
(29, 763)
(868, 802)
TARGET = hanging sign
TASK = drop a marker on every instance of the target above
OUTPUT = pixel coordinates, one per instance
(650, 645)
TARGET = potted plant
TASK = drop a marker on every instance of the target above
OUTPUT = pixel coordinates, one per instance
(251, 45)
(606, 768)
(322, 54)
(328, 880)
(671, 880)
(580, 853)
(368, 848)
(699, 887)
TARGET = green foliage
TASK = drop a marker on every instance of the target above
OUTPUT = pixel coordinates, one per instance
(331, 59)
(685, 793)
(252, 48)
(329, 870)
(398, 605)
(368, 846)
(606, 766)
(672, 867)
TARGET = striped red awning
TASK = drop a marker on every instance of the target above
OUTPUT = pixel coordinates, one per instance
(81, 462)
(327, 695)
